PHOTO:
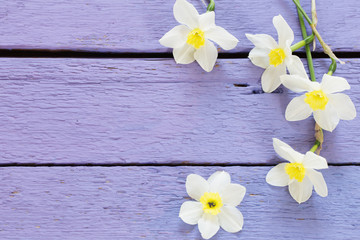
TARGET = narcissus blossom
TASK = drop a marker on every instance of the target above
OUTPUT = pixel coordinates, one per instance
(215, 205)
(274, 56)
(192, 40)
(322, 99)
(299, 174)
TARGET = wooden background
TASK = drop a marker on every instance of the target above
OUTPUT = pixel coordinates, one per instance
(99, 127)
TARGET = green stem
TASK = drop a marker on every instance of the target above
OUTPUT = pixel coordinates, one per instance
(211, 6)
(332, 67)
(307, 48)
(302, 43)
(326, 47)
(297, 3)
(316, 145)
(301, 15)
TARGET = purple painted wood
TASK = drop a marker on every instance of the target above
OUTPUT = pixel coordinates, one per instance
(154, 111)
(100, 203)
(140, 111)
(136, 25)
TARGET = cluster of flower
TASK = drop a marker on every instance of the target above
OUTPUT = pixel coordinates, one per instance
(217, 198)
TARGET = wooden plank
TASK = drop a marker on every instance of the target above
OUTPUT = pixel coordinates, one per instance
(140, 111)
(136, 25)
(143, 203)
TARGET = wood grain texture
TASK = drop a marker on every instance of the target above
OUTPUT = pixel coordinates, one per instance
(143, 203)
(137, 25)
(154, 111)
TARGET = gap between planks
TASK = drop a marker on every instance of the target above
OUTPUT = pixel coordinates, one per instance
(32, 53)
(153, 165)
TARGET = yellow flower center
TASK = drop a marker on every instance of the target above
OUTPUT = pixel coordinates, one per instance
(295, 170)
(316, 99)
(277, 56)
(196, 38)
(211, 203)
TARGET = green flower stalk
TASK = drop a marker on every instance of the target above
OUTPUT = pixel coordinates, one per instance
(332, 67)
(302, 43)
(211, 6)
(307, 48)
(316, 145)
(326, 47)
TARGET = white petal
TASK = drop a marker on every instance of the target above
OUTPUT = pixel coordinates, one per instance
(260, 57)
(301, 191)
(319, 182)
(298, 109)
(288, 54)
(196, 186)
(191, 212)
(176, 37)
(207, 21)
(222, 37)
(208, 225)
(233, 194)
(206, 56)
(277, 176)
(285, 33)
(262, 40)
(231, 219)
(327, 119)
(315, 161)
(296, 83)
(296, 67)
(343, 106)
(287, 152)
(331, 84)
(270, 79)
(184, 54)
(186, 13)
(218, 181)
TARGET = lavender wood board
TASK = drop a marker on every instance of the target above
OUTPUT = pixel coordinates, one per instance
(130, 111)
(143, 203)
(136, 25)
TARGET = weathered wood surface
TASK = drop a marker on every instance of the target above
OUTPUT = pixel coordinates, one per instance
(153, 111)
(143, 203)
(136, 25)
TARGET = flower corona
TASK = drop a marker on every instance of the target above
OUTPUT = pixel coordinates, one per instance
(276, 56)
(211, 203)
(196, 38)
(295, 171)
(316, 99)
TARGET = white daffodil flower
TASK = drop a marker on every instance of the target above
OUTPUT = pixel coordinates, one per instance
(215, 205)
(322, 99)
(299, 173)
(191, 40)
(274, 57)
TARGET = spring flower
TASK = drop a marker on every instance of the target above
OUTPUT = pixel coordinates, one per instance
(321, 99)
(272, 56)
(191, 40)
(299, 173)
(215, 205)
